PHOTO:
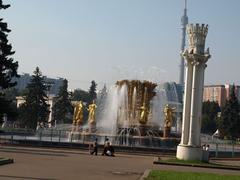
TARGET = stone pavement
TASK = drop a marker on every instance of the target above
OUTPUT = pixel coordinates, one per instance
(227, 161)
(62, 164)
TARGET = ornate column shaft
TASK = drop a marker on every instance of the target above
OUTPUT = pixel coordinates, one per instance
(187, 101)
(195, 105)
(200, 97)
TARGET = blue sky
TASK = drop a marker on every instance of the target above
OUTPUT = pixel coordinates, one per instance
(108, 40)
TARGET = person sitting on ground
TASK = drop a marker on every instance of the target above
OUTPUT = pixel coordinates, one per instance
(106, 140)
(108, 150)
(105, 147)
(105, 144)
(111, 149)
(204, 147)
(207, 147)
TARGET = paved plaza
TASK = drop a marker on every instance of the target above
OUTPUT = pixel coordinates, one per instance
(62, 164)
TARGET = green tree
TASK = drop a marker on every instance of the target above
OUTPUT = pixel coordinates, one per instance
(9, 103)
(210, 112)
(63, 109)
(80, 95)
(8, 67)
(11, 93)
(92, 91)
(8, 107)
(230, 118)
(35, 109)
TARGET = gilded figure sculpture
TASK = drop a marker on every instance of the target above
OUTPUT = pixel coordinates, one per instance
(78, 114)
(168, 112)
(143, 114)
(75, 114)
(92, 112)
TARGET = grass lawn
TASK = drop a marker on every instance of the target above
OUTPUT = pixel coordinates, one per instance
(178, 161)
(196, 163)
(173, 175)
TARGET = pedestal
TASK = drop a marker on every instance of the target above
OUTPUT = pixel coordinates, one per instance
(166, 132)
(189, 153)
(92, 127)
(142, 129)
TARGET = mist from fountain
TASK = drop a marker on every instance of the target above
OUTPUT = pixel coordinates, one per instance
(158, 103)
(107, 123)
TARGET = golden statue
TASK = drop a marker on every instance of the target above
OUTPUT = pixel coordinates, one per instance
(78, 114)
(168, 112)
(92, 112)
(143, 114)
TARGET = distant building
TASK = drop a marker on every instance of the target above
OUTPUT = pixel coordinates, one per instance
(219, 93)
(215, 93)
(53, 84)
(22, 81)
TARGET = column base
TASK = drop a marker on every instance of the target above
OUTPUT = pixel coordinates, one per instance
(185, 152)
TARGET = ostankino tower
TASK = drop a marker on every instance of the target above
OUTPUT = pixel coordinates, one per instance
(184, 22)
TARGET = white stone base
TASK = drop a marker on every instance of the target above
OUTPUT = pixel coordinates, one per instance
(189, 153)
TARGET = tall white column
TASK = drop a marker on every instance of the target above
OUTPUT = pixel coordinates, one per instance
(190, 146)
(187, 103)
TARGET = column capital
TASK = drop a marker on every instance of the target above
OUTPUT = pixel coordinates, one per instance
(195, 58)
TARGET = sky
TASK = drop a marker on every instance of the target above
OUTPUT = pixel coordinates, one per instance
(110, 40)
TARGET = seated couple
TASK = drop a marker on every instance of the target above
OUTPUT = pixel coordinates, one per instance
(108, 149)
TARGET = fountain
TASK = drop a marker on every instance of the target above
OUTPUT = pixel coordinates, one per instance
(130, 113)
(128, 109)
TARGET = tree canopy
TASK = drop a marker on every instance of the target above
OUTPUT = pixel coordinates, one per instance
(210, 112)
(92, 91)
(63, 109)
(230, 117)
(80, 95)
(85, 96)
(8, 67)
(35, 109)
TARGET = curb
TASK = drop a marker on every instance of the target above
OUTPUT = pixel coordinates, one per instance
(227, 159)
(6, 161)
(156, 161)
(145, 174)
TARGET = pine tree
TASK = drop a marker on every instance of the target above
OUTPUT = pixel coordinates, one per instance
(8, 68)
(35, 109)
(230, 118)
(92, 91)
(8, 104)
(63, 108)
(210, 112)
